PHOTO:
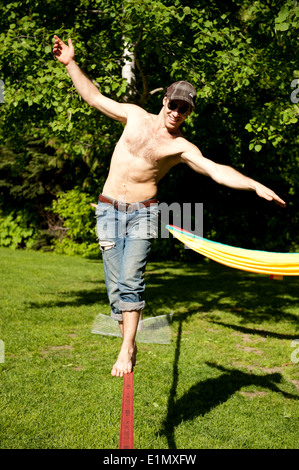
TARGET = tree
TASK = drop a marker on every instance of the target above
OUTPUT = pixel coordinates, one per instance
(240, 55)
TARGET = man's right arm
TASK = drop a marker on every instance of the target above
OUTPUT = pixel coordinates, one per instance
(89, 92)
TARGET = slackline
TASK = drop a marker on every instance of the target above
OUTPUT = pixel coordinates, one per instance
(126, 434)
(263, 262)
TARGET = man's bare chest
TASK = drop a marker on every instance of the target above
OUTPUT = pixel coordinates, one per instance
(143, 142)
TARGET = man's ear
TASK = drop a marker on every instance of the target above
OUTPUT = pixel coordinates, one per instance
(164, 100)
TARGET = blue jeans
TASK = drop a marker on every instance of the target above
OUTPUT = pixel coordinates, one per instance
(125, 239)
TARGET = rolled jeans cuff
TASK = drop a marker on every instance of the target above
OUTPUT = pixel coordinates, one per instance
(116, 316)
(130, 306)
(127, 307)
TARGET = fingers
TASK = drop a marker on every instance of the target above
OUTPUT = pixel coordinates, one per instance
(269, 195)
(277, 199)
(57, 45)
(63, 52)
(280, 202)
(57, 40)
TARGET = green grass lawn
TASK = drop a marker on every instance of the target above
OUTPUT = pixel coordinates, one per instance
(226, 381)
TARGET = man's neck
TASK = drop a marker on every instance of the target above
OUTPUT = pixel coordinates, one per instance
(160, 126)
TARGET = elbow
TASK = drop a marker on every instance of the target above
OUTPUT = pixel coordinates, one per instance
(91, 100)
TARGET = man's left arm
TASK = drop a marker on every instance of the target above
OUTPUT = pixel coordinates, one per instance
(227, 175)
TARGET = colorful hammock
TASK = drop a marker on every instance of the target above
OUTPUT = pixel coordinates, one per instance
(264, 262)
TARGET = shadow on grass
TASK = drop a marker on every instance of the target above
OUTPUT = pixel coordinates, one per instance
(206, 395)
(76, 298)
(205, 289)
(211, 289)
(201, 288)
(258, 331)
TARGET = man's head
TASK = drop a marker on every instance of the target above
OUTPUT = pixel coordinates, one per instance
(178, 103)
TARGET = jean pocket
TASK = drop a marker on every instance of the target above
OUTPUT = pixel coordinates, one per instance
(101, 209)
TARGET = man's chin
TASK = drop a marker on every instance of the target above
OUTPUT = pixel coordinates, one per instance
(172, 124)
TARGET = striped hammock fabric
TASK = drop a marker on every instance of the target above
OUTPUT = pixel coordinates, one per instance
(263, 262)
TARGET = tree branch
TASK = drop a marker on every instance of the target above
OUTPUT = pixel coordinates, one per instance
(145, 92)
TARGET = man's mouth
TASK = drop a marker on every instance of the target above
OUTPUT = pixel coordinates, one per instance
(173, 119)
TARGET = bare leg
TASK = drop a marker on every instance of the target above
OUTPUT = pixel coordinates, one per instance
(121, 327)
(127, 356)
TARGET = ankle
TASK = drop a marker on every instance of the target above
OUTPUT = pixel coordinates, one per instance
(128, 347)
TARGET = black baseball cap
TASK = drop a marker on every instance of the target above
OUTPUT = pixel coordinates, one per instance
(183, 91)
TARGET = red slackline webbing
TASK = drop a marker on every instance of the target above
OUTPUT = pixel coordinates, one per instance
(126, 435)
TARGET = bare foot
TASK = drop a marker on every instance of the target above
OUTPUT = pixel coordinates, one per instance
(125, 362)
(134, 355)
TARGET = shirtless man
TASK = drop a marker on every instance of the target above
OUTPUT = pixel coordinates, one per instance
(149, 147)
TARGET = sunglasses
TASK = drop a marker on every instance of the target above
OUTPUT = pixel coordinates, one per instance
(173, 106)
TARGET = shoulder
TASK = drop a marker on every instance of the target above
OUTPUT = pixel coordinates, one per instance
(133, 110)
(187, 149)
(137, 118)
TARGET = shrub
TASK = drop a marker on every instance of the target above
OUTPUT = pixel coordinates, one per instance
(17, 230)
(77, 234)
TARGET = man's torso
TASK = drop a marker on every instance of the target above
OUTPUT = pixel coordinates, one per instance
(142, 156)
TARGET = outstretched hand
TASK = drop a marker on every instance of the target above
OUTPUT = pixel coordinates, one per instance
(269, 195)
(65, 54)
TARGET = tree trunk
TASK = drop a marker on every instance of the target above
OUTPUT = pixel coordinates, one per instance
(128, 70)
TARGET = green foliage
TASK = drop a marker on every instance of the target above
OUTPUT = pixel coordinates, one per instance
(17, 230)
(77, 234)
